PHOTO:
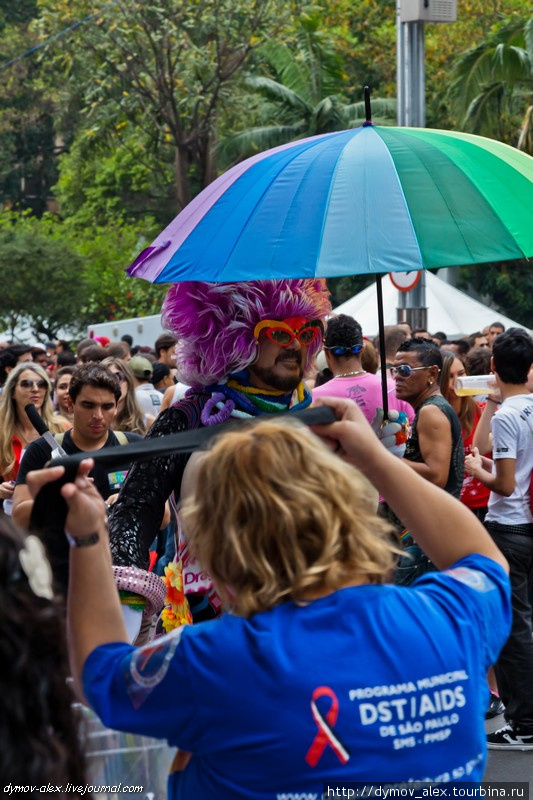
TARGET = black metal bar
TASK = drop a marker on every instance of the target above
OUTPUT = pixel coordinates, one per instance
(368, 109)
(382, 354)
(185, 442)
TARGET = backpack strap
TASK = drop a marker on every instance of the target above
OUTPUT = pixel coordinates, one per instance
(120, 436)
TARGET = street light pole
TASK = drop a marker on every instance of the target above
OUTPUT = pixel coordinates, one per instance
(411, 112)
(411, 16)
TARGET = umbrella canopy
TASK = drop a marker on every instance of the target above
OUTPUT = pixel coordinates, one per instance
(368, 200)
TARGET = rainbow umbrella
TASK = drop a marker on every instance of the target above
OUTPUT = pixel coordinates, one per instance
(367, 200)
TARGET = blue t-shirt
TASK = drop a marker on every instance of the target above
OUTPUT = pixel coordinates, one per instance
(369, 683)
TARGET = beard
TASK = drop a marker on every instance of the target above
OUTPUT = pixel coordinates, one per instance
(270, 377)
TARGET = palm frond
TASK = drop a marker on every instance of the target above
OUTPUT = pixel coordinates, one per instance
(525, 139)
(470, 73)
(327, 116)
(356, 122)
(278, 91)
(239, 146)
(528, 38)
(382, 107)
(510, 63)
(291, 71)
(484, 109)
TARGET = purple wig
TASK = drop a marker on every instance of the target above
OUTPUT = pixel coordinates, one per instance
(215, 322)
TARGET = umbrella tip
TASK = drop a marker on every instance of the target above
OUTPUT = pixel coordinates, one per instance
(368, 110)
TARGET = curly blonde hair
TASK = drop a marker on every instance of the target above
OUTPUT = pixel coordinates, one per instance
(274, 515)
(9, 417)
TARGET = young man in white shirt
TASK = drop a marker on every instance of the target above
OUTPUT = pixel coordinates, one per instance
(147, 396)
(510, 522)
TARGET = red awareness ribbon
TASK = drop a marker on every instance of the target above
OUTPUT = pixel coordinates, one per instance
(325, 725)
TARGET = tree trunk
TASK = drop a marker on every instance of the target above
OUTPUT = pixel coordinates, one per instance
(181, 177)
(210, 166)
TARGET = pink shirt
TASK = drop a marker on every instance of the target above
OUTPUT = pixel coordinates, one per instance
(365, 390)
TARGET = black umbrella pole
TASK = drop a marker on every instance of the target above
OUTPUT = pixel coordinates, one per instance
(382, 356)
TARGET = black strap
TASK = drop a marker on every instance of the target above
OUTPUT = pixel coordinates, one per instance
(187, 441)
(49, 509)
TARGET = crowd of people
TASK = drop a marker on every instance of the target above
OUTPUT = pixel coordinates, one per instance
(287, 605)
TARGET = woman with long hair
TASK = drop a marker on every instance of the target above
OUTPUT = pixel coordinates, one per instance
(61, 395)
(26, 383)
(38, 726)
(473, 493)
(129, 416)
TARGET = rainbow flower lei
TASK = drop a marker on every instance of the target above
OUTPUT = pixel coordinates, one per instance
(176, 611)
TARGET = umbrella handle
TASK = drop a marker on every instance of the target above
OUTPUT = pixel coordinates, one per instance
(368, 109)
(382, 355)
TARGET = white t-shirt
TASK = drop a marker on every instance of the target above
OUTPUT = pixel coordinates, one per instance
(179, 392)
(512, 437)
(148, 399)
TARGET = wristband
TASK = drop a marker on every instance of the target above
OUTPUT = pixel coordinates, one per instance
(492, 400)
(82, 541)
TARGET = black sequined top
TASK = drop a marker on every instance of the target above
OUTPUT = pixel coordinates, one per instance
(137, 515)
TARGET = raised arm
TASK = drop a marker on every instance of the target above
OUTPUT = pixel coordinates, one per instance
(443, 527)
(137, 515)
(435, 442)
(94, 615)
(482, 435)
(22, 505)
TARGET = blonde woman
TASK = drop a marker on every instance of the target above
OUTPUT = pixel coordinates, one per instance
(129, 416)
(26, 383)
(321, 670)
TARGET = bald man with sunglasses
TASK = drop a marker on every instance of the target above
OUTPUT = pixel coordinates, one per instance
(343, 347)
(435, 448)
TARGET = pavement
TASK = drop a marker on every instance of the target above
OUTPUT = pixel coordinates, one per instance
(506, 766)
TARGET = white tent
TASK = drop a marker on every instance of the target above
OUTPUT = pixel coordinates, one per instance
(449, 310)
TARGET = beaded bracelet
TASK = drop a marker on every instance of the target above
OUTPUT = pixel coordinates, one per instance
(82, 541)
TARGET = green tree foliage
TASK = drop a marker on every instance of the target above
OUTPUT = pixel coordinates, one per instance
(303, 81)
(506, 285)
(343, 288)
(57, 275)
(106, 252)
(43, 285)
(102, 184)
(368, 45)
(15, 13)
(27, 139)
(164, 66)
(492, 85)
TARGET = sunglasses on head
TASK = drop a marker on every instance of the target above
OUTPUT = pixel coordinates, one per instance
(342, 350)
(284, 332)
(404, 370)
(27, 384)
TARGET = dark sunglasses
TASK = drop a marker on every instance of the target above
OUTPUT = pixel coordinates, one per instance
(342, 350)
(120, 375)
(404, 370)
(27, 384)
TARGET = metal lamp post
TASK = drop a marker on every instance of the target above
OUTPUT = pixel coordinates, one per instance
(411, 16)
